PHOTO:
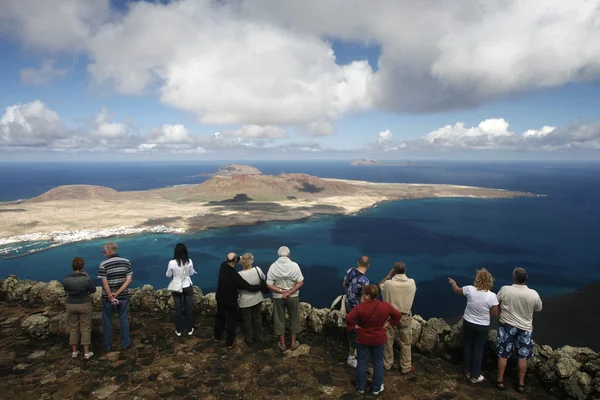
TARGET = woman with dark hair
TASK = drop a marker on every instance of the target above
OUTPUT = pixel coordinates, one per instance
(481, 301)
(370, 319)
(78, 287)
(180, 269)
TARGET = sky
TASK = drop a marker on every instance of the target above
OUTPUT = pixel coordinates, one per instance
(299, 79)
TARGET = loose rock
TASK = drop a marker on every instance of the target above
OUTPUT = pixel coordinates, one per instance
(36, 326)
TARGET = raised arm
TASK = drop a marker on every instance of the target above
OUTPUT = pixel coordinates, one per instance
(457, 290)
(390, 275)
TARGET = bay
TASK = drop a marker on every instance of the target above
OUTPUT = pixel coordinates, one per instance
(554, 237)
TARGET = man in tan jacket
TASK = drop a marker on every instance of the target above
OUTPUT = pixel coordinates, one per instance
(399, 290)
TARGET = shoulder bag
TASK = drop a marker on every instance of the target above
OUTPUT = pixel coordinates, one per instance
(264, 289)
(177, 286)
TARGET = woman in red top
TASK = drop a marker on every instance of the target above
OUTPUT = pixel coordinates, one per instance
(373, 317)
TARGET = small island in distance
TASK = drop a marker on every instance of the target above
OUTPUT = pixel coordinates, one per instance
(364, 162)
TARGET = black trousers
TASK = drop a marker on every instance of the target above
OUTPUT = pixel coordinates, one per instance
(474, 339)
(227, 315)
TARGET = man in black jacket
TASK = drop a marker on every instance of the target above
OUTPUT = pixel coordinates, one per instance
(227, 299)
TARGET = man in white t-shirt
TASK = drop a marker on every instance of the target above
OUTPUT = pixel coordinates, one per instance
(517, 305)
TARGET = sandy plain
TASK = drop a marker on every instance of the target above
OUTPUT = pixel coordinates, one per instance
(83, 212)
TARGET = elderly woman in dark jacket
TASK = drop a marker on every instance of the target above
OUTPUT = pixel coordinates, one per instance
(78, 287)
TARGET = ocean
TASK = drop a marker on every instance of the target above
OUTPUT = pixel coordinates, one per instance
(555, 236)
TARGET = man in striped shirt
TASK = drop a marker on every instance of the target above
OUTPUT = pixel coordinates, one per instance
(115, 273)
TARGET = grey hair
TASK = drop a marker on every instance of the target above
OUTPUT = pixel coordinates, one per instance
(111, 246)
(283, 251)
(520, 275)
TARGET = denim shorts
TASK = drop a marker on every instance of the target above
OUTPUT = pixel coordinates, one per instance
(511, 341)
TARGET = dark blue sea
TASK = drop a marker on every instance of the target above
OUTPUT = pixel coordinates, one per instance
(554, 237)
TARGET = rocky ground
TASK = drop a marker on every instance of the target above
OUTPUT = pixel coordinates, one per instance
(162, 365)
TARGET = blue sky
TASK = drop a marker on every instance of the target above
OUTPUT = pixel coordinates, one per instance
(101, 79)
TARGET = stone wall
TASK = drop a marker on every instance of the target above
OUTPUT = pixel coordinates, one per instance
(570, 370)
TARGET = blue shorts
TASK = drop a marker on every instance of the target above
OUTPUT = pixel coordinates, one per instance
(511, 341)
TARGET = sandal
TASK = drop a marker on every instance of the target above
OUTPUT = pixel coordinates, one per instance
(75, 354)
(295, 345)
(87, 356)
(521, 389)
(281, 346)
(500, 385)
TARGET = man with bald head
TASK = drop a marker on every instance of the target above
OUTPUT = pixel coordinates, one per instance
(227, 299)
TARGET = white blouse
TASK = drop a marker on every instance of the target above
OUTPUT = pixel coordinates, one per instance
(182, 273)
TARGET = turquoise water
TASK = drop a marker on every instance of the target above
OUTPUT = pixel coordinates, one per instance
(554, 237)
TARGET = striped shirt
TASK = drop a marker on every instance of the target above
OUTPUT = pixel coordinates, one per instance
(115, 270)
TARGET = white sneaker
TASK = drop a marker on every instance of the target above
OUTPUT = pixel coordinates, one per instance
(352, 361)
(191, 332)
(178, 333)
(379, 391)
(478, 379)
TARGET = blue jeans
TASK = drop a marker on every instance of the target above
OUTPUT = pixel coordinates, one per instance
(363, 352)
(187, 297)
(107, 313)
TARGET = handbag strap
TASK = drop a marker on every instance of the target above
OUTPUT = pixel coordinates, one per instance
(372, 313)
(260, 279)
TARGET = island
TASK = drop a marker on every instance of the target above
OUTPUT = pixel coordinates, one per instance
(364, 162)
(233, 169)
(83, 212)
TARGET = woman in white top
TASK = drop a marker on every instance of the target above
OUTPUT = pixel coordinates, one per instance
(476, 320)
(180, 269)
(251, 302)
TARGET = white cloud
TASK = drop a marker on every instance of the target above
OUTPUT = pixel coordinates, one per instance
(31, 124)
(170, 134)
(254, 131)
(108, 130)
(55, 26)
(440, 55)
(384, 136)
(318, 128)
(494, 134)
(43, 75)
(540, 132)
(260, 62)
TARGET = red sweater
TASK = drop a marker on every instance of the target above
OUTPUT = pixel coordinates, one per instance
(371, 315)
